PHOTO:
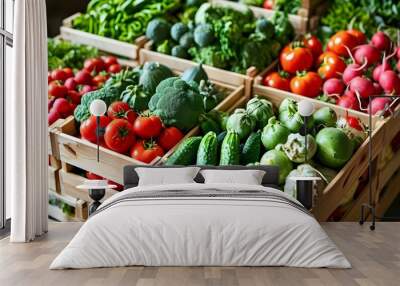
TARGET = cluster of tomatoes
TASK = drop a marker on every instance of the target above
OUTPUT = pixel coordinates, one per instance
(66, 87)
(143, 136)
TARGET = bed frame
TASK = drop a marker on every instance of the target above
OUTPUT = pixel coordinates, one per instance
(270, 179)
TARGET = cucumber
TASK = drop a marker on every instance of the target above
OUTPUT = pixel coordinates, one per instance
(208, 150)
(230, 149)
(251, 151)
(186, 152)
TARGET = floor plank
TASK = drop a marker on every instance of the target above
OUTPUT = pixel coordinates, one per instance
(375, 257)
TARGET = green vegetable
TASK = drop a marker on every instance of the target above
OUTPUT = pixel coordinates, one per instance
(356, 136)
(293, 120)
(121, 80)
(179, 52)
(165, 47)
(303, 170)
(137, 99)
(211, 95)
(295, 147)
(230, 149)
(196, 73)
(211, 56)
(81, 113)
(178, 30)
(63, 53)
(278, 158)
(261, 110)
(186, 152)
(251, 149)
(204, 35)
(152, 74)
(177, 103)
(286, 104)
(287, 6)
(208, 150)
(325, 117)
(241, 123)
(208, 124)
(334, 147)
(158, 30)
(220, 138)
(265, 27)
(187, 40)
(274, 133)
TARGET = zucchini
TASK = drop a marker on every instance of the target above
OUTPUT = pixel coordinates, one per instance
(208, 150)
(251, 151)
(186, 152)
(230, 149)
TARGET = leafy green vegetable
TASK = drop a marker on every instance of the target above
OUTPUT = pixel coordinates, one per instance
(135, 96)
(63, 53)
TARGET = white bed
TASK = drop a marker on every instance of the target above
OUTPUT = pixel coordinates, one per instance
(201, 225)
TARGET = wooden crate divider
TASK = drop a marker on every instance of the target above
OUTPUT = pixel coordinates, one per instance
(116, 47)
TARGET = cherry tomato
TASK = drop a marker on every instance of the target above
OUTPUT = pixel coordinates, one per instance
(99, 80)
(339, 41)
(332, 67)
(360, 36)
(268, 4)
(326, 57)
(57, 90)
(71, 84)
(121, 110)
(147, 127)
(308, 84)
(169, 137)
(69, 72)
(96, 64)
(146, 151)
(114, 68)
(314, 44)
(119, 136)
(83, 77)
(110, 60)
(59, 74)
(354, 122)
(295, 58)
(89, 126)
(279, 80)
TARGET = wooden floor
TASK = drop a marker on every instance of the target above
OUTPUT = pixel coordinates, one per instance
(375, 257)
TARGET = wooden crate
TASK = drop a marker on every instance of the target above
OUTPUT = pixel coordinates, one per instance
(80, 207)
(260, 88)
(299, 22)
(54, 179)
(219, 76)
(112, 46)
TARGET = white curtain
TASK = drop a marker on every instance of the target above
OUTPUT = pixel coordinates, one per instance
(26, 121)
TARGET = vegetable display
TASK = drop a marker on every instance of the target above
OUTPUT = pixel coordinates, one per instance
(287, 6)
(223, 37)
(347, 73)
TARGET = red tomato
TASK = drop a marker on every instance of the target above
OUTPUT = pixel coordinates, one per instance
(121, 110)
(360, 36)
(307, 84)
(83, 77)
(147, 127)
(93, 176)
(119, 135)
(146, 151)
(88, 128)
(110, 60)
(268, 4)
(74, 96)
(59, 74)
(57, 90)
(339, 41)
(169, 137)
(99, 80)
(295, 59)
(326, 57)
(96, 64)
(314, 44)
(279, 80)
(114, 68)
(332, 67)
(69, 72)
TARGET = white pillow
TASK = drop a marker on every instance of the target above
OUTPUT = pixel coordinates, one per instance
(245, 177)
(166, 176)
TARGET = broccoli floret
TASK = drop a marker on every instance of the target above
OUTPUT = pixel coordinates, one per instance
(158, 30)
(179, 52)
(204, 35)
(210, 55)
(177, 103)
(187, 40)
(178, 30)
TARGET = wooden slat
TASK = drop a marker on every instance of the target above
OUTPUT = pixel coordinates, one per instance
(81, 210)
(129, 50)
(54, 179)
(390, 194)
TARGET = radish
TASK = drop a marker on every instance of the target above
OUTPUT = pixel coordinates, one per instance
(398, 65)
(70, 83)
(379, 104)
(352, 71)
(398, 53)
(363, 86)
(381, 41)
(348, 100)
(53, 116)
(378, 89)
(390, 82)
(367, 53)
(50, 103)
(379, 69)
(333, 86)
(83, 77)
(62, 106)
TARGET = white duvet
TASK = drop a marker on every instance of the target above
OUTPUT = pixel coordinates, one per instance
(205, 231)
